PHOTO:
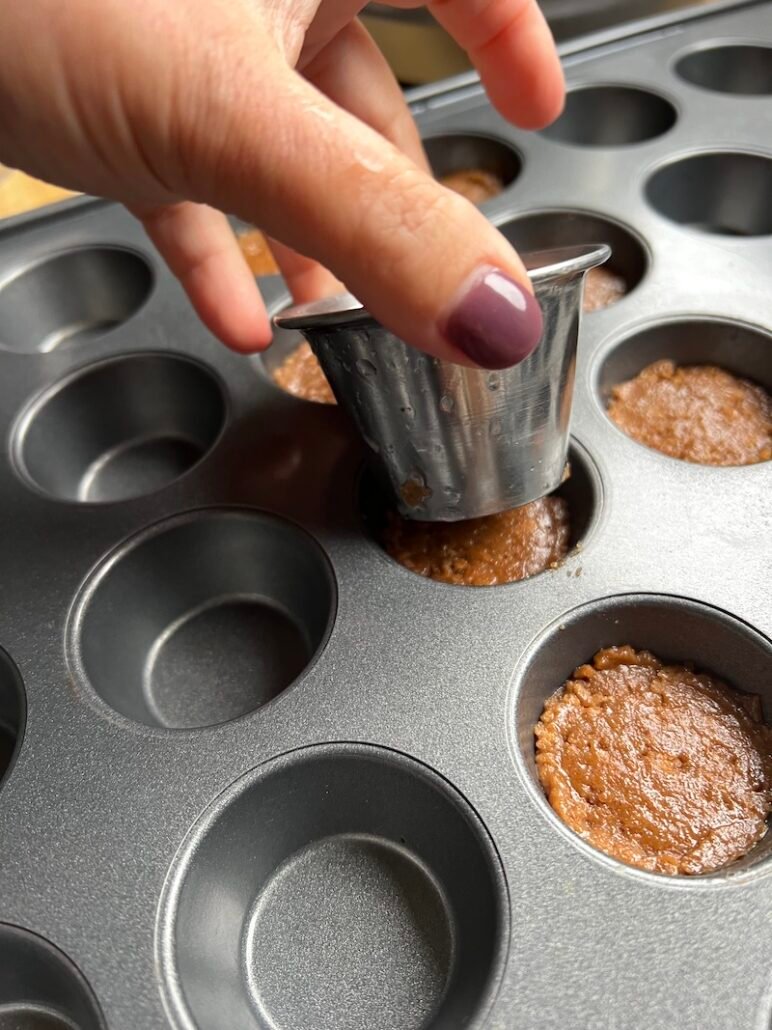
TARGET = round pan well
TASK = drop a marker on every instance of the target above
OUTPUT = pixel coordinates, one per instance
(675, 629)
(72, 297)
(544, 230)
(582, 490)
(40, 989)
(724, 193)
(202, 618)
(120, 428)
(340, 887)
(459, 152)
(740, 349)
(739, 69)
(611, 116)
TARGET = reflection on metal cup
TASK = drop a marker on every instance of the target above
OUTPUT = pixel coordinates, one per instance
(458, 442)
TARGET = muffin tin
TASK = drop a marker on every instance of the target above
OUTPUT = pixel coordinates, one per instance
(261, 776)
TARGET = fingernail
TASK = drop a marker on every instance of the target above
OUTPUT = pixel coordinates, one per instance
(495, 321)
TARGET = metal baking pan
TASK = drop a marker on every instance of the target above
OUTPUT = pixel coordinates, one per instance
(420, 51)
(265, 777)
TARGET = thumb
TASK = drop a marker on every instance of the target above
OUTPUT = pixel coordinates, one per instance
(421, 259)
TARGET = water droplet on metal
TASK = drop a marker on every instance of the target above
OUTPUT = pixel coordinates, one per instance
(494, 380)
(365, 368)
(452, 495)
(495, 427)
(447, 404)
(408, 411)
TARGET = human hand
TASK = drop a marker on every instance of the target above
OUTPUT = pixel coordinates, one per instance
(284, 113)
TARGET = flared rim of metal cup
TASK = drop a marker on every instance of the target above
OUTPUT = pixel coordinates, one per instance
(543, 266)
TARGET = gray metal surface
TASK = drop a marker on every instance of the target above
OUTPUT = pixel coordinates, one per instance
(567, 18)
(110, 824)
(362, 854)
(456, 442)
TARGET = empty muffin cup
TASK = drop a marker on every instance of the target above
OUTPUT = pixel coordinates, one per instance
(40, 989)
(339, 887)
(743, 69)
(677, 630)
(202, 618)
(71, 297)
(120, 428)
(725, 193)
(611, 116)
(458, 442)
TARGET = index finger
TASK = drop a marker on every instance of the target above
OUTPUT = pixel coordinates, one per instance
(512, 48)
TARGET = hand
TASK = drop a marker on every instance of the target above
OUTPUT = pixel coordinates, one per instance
(284, 113)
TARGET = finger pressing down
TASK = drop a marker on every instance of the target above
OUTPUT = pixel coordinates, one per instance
(353, 73)
(423, 260)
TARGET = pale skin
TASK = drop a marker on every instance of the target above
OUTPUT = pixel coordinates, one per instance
(282, 112)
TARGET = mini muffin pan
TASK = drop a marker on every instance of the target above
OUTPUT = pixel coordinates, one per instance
(256, 774)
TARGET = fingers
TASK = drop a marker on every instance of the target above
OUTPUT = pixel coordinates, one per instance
(423, 260)
(306, 278)
(200, 248)
(354, 74)
(511, 46)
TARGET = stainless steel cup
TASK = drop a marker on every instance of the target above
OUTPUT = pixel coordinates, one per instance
(458, 442)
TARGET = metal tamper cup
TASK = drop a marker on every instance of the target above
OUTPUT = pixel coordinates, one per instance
(458, 442)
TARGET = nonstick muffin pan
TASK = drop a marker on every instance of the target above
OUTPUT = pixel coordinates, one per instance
(258, 775)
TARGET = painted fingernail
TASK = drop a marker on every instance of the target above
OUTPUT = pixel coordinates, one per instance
(495, 321)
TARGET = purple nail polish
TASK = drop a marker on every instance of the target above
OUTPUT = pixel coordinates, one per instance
(496, 322)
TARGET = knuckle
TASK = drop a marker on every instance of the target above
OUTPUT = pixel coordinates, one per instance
(406, 225)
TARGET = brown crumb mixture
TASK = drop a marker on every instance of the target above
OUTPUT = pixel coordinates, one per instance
(657, 765)
(602, 288)
(487, 551)
(301, 375)
(475, 184)
(697, 413)
(257, 253)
